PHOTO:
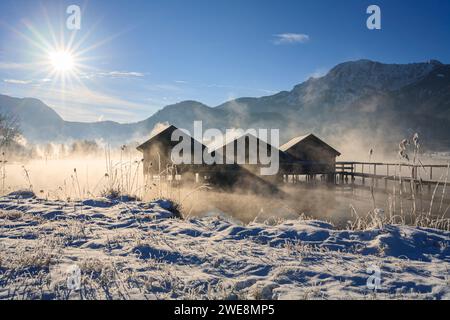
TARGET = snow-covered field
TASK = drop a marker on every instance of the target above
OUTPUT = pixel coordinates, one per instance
(137, 250)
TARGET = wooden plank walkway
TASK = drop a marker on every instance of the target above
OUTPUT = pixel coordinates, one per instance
(419, 173)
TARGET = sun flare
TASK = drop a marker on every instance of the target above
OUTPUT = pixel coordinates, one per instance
(62, 61)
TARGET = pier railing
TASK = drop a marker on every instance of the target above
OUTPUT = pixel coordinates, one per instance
(377, 172)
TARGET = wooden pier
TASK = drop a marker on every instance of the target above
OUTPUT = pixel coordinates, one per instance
(375, 173)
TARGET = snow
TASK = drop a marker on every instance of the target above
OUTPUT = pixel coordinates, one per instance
(293, 142)
(134, 250)
(349, 81)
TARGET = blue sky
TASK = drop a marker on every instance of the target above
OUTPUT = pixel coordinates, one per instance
(138, 56)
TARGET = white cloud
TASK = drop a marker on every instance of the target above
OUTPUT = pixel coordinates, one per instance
(86, 75)
(33, 82)
(111, 74)
(290, 38)
(16, 66)
(15, 81)
(121, 74)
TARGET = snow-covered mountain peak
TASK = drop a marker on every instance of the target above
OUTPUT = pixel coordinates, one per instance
(367, 73)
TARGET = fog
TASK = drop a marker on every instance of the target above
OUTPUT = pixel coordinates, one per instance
(85, 177)
(89, 169)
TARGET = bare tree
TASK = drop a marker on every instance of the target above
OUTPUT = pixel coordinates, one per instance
(9, 130)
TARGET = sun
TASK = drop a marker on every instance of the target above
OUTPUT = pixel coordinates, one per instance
(62, 61)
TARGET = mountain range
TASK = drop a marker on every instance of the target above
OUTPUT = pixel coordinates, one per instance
(360, 102)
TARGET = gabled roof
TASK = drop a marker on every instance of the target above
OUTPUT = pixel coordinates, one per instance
(301, 139)
(237, 137)
(215, 147)
(167, 130)
(284, 157)
(293, 142)
(153, 137)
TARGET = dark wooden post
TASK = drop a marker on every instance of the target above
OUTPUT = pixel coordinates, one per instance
(400, 177)
(353, 173)
(362, 173)
(387, 177)
(345, 170)
(431, 179)
(375, 174)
